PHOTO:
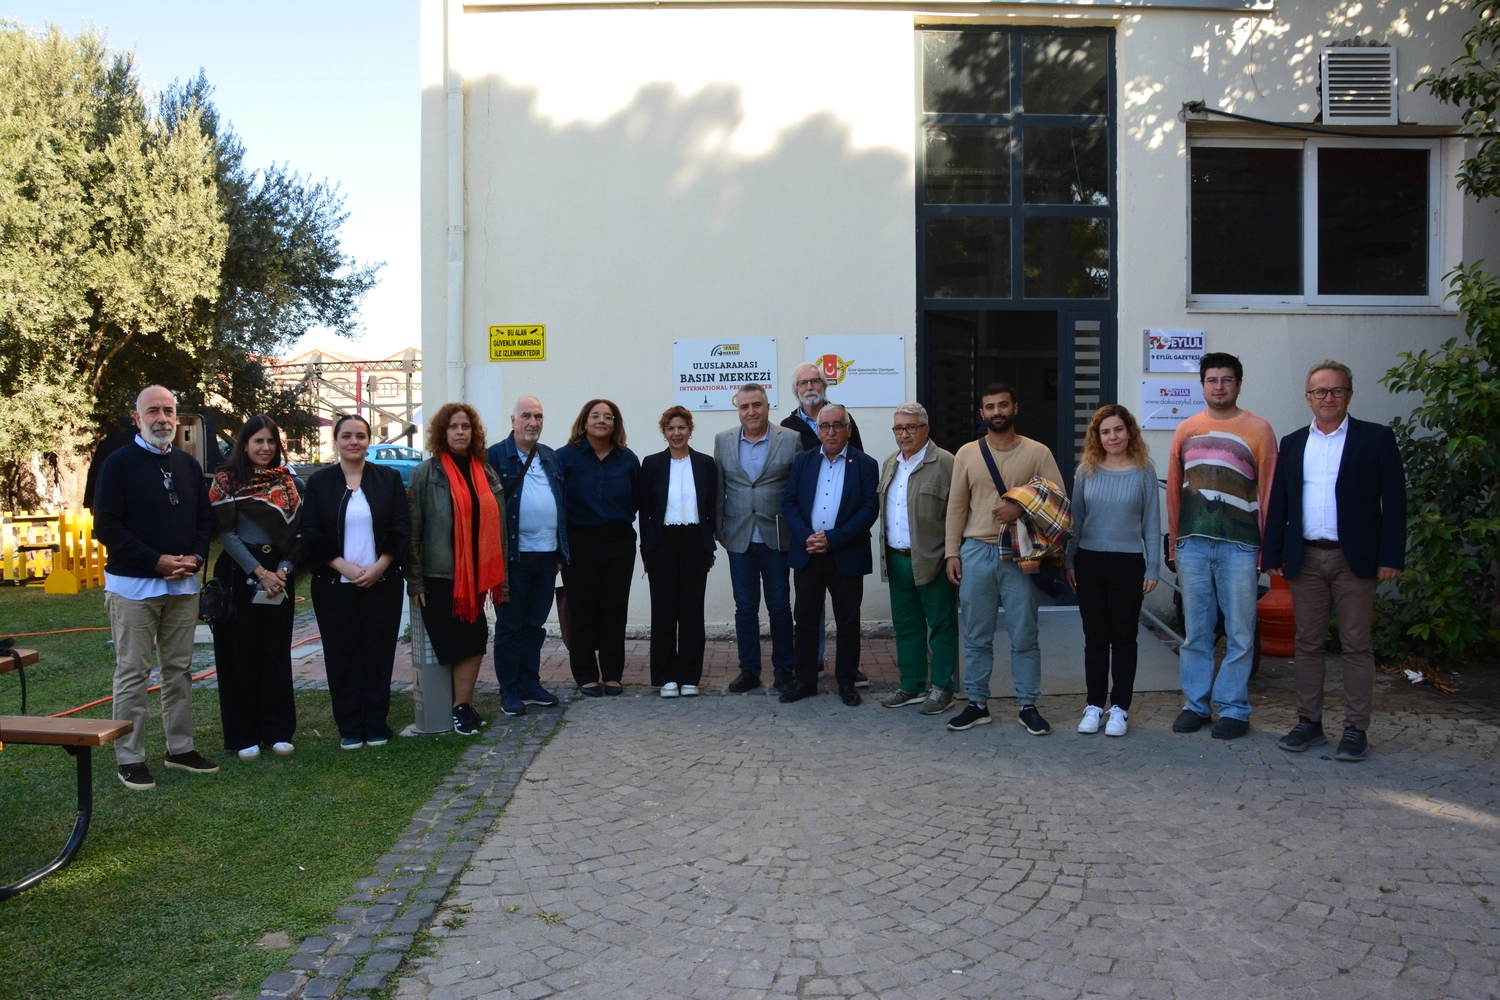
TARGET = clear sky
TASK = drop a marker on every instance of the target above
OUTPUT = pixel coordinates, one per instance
(329, 87)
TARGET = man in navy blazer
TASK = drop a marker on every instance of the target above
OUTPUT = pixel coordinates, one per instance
(829, 505)
(1335, 529)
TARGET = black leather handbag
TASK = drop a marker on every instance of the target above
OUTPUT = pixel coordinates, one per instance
(215, 600)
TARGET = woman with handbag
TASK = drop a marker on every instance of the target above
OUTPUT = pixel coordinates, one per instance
(355, 529)
(257, 504)
(677, 497)
(457, 554)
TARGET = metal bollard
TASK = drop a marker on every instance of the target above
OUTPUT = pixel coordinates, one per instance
(432, 682)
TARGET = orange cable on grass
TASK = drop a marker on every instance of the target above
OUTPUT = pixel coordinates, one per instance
(61, 631)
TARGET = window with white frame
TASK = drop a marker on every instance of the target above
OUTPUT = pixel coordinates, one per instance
(1318, 221)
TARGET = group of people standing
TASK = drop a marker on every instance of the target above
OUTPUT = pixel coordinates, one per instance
(960, 537)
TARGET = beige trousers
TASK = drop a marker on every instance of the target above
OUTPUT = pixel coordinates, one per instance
(1325, 582)
(163, 625)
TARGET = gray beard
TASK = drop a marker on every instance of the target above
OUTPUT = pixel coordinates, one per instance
(160, 439)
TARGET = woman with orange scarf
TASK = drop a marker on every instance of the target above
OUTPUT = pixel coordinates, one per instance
(457, 554)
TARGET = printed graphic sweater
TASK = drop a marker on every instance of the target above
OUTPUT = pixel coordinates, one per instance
(1219, 478)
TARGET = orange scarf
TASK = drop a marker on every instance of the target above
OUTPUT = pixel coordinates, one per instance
(467, 585)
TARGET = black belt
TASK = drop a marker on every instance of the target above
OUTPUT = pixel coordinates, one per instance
(1321, 543)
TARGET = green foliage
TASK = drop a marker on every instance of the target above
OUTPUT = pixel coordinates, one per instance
(1451, 448)
(1473, 84)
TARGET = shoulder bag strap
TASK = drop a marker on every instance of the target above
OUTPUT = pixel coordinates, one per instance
(989, 461)
(525, 468)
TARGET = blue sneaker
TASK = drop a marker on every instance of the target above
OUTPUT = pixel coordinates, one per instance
(539, 695)
(511, 704)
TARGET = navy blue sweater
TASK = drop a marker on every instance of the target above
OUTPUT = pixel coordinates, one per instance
(134, 517)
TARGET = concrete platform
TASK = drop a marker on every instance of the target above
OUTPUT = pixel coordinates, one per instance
(1061, 637)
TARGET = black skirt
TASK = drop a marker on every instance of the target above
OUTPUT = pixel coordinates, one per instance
(453, 639)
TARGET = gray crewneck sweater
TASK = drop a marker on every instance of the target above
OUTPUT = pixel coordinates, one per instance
(1117, 512)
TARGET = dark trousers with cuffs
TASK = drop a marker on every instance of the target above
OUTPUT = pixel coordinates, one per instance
(360, 626)
(677, 570)
(821, 575)
(521, 622)
(1109, 602)
(253, 657)
(598, 583)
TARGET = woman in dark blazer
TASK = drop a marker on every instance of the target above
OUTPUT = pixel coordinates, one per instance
(677, 496)
(355, 529)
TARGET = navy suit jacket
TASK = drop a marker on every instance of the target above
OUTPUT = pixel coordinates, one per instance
(1370, 494)
(849, 538)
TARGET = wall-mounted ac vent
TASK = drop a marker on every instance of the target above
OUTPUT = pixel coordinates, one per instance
(1359, 86)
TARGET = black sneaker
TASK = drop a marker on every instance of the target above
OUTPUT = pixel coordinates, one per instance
(1189, 721)
(746, 681)
(466, 721)
(1353, 746)
(1304, 735)
(860, 680)
(1229, 729)
(1031, 720)
(969, 718)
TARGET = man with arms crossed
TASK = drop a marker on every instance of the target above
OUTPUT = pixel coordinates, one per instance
(152, 515)
(984, 580)
(914, 486)
(536, 539)
(1218, 480)
(1336, 527)
(754, 461)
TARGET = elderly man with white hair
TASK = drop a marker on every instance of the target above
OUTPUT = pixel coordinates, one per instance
(812, 396)
(152, 514)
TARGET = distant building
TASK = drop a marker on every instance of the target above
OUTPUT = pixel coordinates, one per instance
(385, 391)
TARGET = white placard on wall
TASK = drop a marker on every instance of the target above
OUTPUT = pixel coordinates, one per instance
(1172, 350)
(861, 369)
(707, 372)
(1167, 402)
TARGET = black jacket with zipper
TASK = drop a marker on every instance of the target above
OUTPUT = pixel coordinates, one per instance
(323, 516)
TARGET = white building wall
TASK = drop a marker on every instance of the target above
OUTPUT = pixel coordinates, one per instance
(639, 175)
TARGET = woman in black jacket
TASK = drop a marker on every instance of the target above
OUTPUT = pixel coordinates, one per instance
(677, 494)
(355, 529)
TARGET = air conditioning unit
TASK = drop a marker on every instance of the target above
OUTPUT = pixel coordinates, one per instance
(1359, 85)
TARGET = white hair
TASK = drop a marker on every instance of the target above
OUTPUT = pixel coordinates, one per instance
(148, 388)
(913, 410)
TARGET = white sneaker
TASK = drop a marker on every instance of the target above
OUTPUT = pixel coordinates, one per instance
(282, 749)
(689, 690)
(249, 753)
(669, 690)
(1091, 716)
(1116, 724)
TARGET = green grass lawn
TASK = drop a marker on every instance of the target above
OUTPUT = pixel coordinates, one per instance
(174, 887)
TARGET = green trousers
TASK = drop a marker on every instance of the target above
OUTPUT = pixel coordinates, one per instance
(925, 617)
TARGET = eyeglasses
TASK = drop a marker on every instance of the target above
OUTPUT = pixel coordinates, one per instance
(826, 426)
(906, 428)
(803, 383)
(1338, 392)
(166, 481)
(602, 416)
(1226, 381)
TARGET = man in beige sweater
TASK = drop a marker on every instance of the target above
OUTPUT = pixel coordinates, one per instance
(984, 580)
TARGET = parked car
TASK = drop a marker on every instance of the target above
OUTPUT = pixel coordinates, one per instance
(397, 457)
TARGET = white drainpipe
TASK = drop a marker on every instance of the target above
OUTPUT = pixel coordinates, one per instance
(455, 83)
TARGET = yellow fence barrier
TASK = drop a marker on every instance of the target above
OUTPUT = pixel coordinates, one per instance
(55, 548)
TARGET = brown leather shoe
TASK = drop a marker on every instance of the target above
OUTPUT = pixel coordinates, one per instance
(136, 777)
(192, 762)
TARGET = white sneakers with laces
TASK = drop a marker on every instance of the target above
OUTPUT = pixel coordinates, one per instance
(1116, 724)
(1091, 716)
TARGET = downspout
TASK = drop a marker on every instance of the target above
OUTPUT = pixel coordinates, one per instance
(455, 86)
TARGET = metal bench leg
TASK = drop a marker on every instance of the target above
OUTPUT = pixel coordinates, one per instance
(84, 757)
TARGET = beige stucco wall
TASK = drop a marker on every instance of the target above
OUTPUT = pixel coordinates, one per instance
(638, 175)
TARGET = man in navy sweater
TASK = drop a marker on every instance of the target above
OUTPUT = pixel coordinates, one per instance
(1336, 529)
(152, 514)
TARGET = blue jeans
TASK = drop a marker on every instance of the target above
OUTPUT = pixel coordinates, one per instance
(1213, 574)
(758, 568)
(521, 622)
(988, 582)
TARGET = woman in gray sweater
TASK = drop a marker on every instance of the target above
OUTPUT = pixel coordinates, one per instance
(1114, 559)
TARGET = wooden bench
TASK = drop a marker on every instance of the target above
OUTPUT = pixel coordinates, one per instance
(78, 737)
(18, 660)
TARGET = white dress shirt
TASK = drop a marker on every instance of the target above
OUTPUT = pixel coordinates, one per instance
(825, 510)
(897, 528)
(359, 532)
(682, 493)
(1320, 472)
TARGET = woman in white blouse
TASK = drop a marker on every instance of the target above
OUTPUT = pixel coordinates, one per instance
(677, 498)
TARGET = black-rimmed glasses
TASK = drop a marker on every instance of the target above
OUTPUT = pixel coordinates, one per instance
(1338, 392)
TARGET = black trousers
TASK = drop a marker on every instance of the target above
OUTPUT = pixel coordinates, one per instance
(359, 626)
(597, 578)
(677, 570)
(1109, 601)
(253, 656)
(820, 576)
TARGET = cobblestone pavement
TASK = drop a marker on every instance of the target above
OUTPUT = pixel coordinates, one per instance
(729, 847)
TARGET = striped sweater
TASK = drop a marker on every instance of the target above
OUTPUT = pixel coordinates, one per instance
(1219, 478)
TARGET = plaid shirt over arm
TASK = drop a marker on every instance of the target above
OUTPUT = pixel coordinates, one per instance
(1041, 533)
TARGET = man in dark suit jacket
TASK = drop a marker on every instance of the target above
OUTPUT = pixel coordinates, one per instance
(830, 504)
(1335, 529)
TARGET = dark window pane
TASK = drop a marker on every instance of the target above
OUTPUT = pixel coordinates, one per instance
(1066, 166)
(967, 165)
(965, 72)
(1065, 75)
(1372, 221)
(1246, 220)
(1067, 258)
(968, 258)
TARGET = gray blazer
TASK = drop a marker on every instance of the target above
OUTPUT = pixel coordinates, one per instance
(742, 503)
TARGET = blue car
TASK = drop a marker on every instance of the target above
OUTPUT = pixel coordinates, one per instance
(397, 457)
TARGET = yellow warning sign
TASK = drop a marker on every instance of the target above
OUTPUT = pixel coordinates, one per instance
(518, 343)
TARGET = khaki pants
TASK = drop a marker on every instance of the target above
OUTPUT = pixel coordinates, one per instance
(165, 625)
(1326, 582)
